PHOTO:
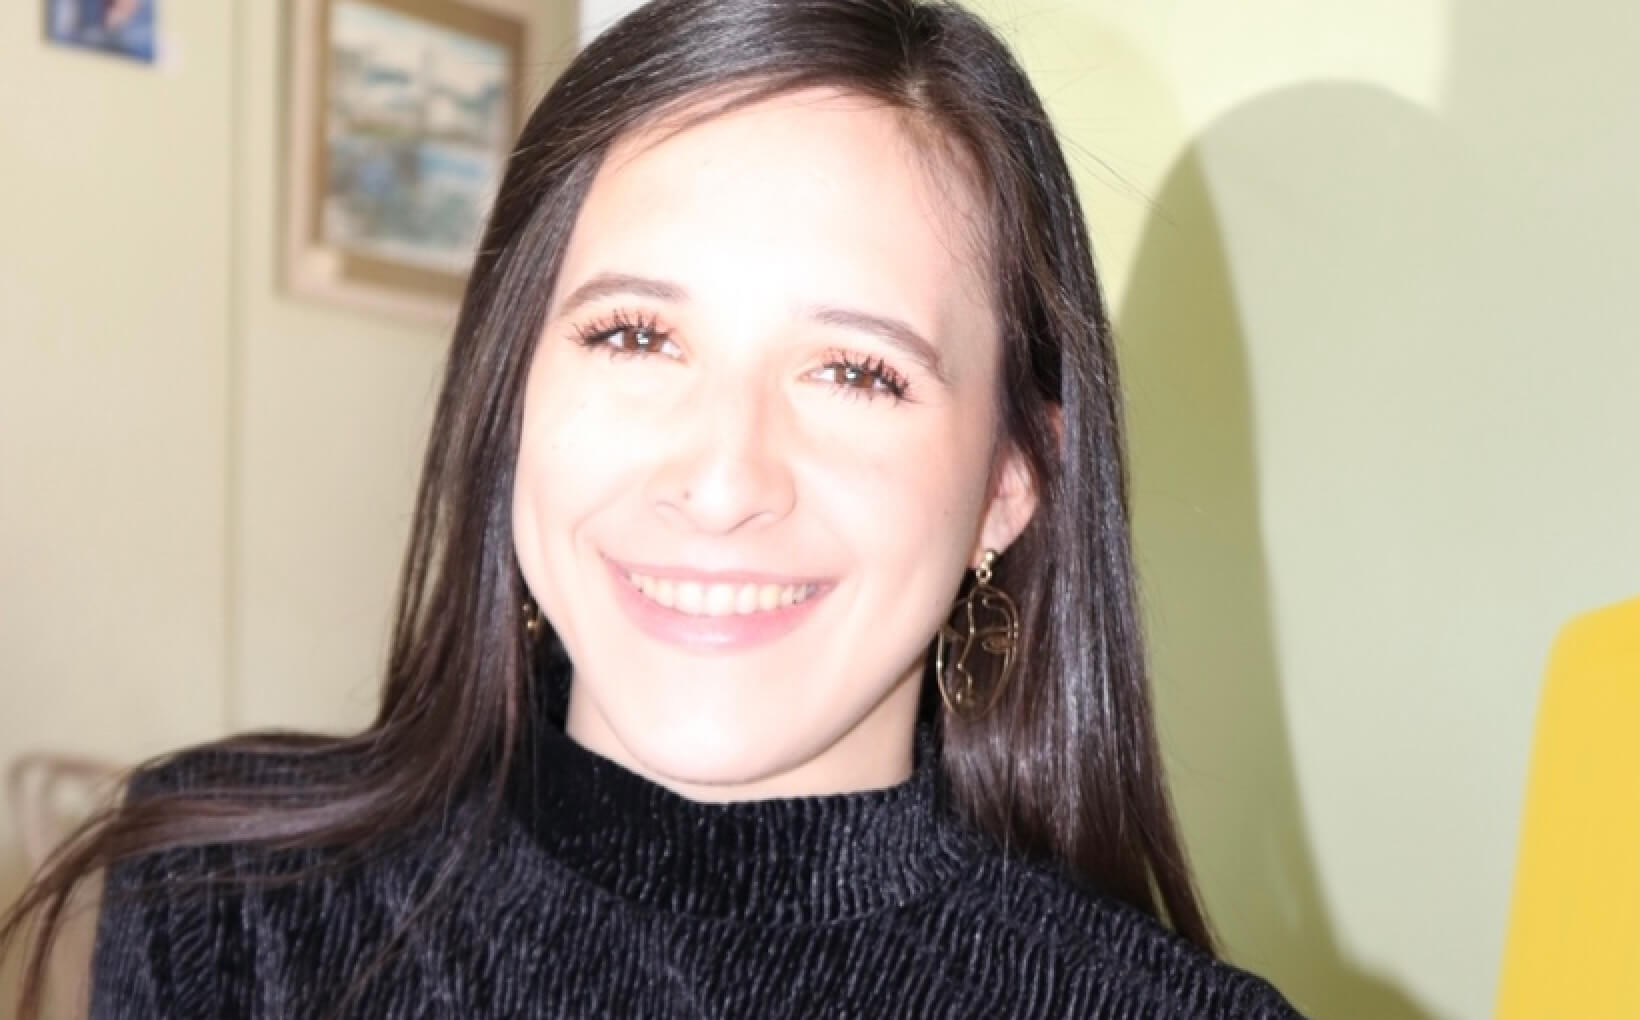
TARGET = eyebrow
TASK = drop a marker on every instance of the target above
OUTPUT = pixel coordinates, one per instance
(609, 284)
(895, 332)
(892, 331)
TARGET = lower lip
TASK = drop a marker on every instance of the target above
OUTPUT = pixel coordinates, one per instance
(709, 633)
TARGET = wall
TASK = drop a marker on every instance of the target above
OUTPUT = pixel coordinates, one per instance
(1368, 261)
(597, 15)
(204, 485)
(1369, 271)
(115, 319)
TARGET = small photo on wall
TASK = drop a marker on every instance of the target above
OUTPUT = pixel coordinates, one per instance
(124, 28)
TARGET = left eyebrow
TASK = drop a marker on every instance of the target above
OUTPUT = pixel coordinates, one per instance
(892, 331)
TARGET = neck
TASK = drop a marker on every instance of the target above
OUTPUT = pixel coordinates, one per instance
(875, 753)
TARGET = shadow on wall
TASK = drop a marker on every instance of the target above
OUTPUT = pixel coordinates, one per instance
(1199, 533)
(1391, 257)
(1201, 550)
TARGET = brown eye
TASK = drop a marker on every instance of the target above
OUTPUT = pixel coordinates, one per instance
(621, 335)
(641, 339)
(634, 340)
(858, 377)
(867, 377)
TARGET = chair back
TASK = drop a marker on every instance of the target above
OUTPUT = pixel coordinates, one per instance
(51, 792)
(1573, 945)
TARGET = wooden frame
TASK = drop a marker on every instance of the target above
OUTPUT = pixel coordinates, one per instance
(402, 113)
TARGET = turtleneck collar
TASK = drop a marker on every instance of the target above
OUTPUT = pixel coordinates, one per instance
(788, 860)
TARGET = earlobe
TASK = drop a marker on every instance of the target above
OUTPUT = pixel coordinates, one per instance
(1013, 503)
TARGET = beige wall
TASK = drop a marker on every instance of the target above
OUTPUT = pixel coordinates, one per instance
(204, 485)
(115, 347)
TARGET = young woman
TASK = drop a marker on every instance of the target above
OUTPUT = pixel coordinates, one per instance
(767, 644)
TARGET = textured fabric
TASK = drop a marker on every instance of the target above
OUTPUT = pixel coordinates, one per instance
(595, 893)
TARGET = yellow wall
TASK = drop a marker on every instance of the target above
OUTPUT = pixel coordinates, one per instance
(1372, 264)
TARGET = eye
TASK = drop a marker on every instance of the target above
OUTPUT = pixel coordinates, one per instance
(857, 375)
(624, 334)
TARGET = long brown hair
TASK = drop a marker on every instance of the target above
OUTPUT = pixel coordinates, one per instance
(1065, 768)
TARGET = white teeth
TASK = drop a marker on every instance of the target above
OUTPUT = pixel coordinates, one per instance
(698, 599)
(690, 598)
(720, 599)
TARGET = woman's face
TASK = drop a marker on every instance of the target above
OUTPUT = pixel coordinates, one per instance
(760, 446)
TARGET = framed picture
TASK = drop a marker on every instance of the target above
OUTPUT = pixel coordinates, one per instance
(402, 116)
(124, 28)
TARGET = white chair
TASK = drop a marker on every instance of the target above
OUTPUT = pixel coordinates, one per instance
(50, 794)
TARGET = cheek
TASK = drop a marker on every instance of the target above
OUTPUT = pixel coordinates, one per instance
(908, 493)
(569, 462)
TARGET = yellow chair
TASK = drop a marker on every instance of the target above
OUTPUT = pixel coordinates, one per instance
(1573, 948)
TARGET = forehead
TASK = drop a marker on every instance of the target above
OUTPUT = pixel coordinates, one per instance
(814, 194)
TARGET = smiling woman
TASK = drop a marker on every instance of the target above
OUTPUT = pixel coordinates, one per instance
(691, 388)
(767, 644)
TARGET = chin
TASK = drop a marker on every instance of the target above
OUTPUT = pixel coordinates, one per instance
(702, 753)
(707, 756)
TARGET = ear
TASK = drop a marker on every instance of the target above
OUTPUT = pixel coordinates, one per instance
(1013, 502)
(1014, 497)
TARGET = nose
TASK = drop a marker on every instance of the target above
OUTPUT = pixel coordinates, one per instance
(725, 467)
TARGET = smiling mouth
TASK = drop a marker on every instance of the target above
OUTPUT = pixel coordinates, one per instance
(709, 599)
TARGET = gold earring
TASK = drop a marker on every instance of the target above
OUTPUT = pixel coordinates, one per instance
(989, 620)
(532, 621)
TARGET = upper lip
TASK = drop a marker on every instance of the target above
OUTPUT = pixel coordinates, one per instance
(709, 576)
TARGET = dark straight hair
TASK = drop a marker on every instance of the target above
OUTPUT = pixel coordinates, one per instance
(1064, 769)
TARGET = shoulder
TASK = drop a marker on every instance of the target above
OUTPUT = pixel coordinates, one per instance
(169, 915)
(226, 818)
(1101, 957)
(184, 924)
(248, 765)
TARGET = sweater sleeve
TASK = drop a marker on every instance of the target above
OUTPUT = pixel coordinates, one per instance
(160, 928)
(124, 978)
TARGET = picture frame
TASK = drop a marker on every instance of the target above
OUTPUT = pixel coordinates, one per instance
(402, 115)
(120, 28)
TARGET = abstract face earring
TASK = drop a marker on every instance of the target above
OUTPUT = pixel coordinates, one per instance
(985, 620)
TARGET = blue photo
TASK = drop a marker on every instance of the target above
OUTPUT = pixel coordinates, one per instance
(122, 27)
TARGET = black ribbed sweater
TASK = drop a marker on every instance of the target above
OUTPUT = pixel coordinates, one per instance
(595, 893)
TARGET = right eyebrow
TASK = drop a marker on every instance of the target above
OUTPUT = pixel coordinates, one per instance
(609, 284)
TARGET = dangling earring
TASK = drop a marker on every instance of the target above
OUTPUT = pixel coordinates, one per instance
(987, 618)
(532, 621)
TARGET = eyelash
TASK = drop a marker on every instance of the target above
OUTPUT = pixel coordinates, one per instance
(881, 378)
(597, 334)
(878, 371)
